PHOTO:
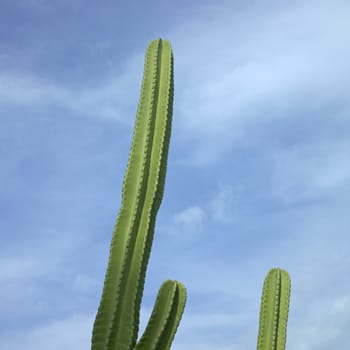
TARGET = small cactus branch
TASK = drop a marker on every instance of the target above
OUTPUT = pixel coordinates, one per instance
(274, 311)
(165, 318)
(117, 319)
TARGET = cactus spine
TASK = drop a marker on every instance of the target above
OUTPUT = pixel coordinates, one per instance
(274, 310)
(117, 320)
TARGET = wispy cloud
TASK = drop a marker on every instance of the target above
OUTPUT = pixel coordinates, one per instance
(109, 99)
(316, 256)
(223, 207)
(69, 333)
(190, 217)
(302, 172)
(255, 68)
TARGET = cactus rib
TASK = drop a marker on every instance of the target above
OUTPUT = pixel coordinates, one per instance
(165, 318)
(117, 319)
(274, 310)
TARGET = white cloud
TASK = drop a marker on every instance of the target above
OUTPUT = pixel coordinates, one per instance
(190, 218)
(27, 267)
(323, 324)
(290, 56)
(108, 100)
(223, 207)
(73, 332)
(310, 170)
(316, 254)
(189, 223)
(257, 66)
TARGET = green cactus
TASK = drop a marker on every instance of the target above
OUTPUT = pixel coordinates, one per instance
(274, 311)
(117, 320)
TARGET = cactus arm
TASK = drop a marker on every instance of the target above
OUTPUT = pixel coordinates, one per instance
(274, 311)
(165, 318)
(117, 319)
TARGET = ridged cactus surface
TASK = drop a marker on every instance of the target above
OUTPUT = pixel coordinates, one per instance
(274, 310)
(117, 320)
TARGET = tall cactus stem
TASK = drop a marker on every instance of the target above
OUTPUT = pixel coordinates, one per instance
(117, 320)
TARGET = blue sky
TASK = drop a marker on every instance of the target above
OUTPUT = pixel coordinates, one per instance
(258, 171)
